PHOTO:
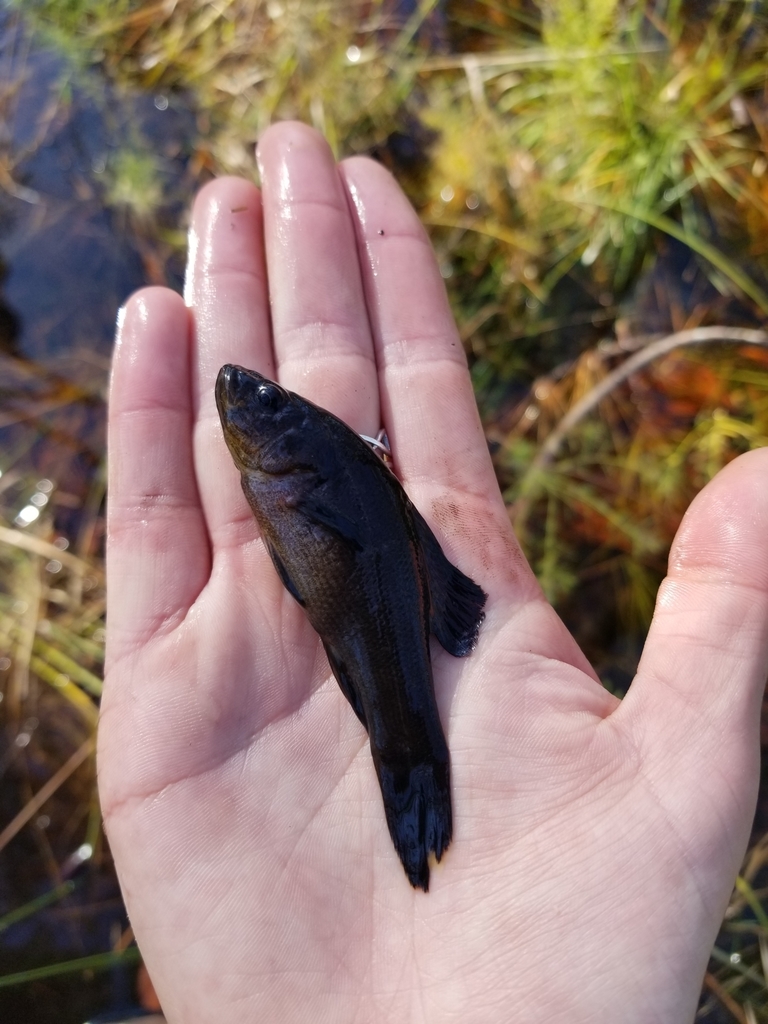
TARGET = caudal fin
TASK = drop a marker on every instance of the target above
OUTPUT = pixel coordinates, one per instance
(417, 803)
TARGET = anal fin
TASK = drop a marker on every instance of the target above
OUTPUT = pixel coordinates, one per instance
(346, 684)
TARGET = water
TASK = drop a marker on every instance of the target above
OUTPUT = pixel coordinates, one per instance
(71, 146)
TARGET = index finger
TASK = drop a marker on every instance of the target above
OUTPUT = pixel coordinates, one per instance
(428, 404)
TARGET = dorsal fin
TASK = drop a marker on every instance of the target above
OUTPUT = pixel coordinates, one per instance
(456, 601)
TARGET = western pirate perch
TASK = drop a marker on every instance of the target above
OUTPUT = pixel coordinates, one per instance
(356, 554)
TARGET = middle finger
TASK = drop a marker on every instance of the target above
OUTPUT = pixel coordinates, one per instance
(321, 334)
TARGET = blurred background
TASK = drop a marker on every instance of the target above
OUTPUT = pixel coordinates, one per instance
(594, 178)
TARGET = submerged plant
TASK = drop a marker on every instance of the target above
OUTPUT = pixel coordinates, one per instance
(623, 453)
(134, 182)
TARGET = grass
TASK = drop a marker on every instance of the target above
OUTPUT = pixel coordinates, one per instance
(551, 150)
(620, 483)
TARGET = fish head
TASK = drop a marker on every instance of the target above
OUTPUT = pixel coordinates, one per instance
(264, 425)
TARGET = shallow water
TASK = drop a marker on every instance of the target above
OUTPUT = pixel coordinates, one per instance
(68, 260)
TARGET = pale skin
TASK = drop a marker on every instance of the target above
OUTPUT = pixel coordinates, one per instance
(595, 842)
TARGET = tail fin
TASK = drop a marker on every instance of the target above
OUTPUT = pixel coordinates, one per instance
(417, 803)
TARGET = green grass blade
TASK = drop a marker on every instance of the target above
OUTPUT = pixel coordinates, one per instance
(97, 962)
(694, 242)
(39, 903)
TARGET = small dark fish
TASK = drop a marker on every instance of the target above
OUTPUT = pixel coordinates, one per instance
(356, 554)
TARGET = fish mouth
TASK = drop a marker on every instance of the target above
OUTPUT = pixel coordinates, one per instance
(251, 409)
(234, 388)
(225, 389)
(234, 385)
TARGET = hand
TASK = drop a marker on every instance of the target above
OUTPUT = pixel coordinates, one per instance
(595, 843)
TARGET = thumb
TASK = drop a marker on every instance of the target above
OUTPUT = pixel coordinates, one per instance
(694, 707)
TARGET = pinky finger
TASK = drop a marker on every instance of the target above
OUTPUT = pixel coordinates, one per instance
(158, 556)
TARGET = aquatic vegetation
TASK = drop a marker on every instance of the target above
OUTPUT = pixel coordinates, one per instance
(133, 182)
(625, 451)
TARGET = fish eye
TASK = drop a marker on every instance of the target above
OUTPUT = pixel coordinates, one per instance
(268, 396)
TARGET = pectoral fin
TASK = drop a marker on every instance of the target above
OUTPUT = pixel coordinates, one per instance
(332, 520)
(456, 601)
(344, 680)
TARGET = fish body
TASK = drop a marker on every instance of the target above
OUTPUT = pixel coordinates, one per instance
(353, 550)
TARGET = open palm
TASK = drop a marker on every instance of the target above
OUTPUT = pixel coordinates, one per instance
(595, 843)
